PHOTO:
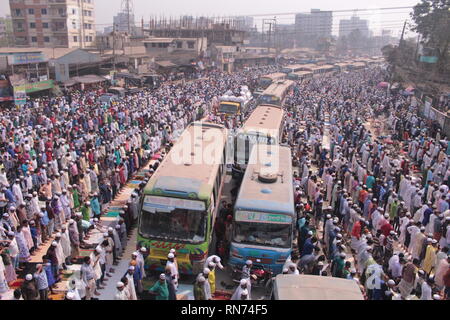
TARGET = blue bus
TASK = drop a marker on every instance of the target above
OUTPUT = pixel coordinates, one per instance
(264, 212)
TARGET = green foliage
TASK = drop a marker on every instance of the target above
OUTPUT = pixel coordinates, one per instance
(432, 21)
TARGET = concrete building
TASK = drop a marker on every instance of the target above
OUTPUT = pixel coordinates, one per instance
(313, 26)
(346, 26)
(6, 35)
(121, 22)
(53, 23)
(158, 47)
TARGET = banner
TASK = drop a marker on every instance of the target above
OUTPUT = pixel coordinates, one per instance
(26, 58)
(427, 107)
(20, 97)
(35, 87)
(6, 89)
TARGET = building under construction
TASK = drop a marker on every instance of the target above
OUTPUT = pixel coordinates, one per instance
(216, 30)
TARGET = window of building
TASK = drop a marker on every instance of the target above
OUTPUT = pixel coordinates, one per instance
(45, 25)
(61, 11)
(33, 39)
(90, 38)
(30, 11)
(44, 11)
(74, 24)
(18, 12)
(75, 39)
(154, 45)
(32, 25)
(191, 44)
(74, 11)
(179, 44)
(19, 25)
(46, 39)
(86, 38)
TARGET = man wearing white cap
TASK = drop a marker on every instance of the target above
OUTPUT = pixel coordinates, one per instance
(141, 261)
(199, 292)
(120, 293)
(238, 292)
(173, 268)
(160, 289)
(29, 289)
(130, 284)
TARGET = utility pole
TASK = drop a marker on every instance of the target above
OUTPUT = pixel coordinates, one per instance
(114, 47)
(403, 33)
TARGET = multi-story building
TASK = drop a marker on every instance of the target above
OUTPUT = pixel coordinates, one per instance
(313, 26)
(53, 23)
(6, 36)
(121, 22)
(347, 26)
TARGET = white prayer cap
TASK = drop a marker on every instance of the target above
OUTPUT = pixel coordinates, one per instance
(172, 250)
(64, 191)
(211, 264)
(285, 270)
(71, 221)
(243, 281)
(170, 256)
(88, 203)
(56, 197)
(131, 268)
(320, 263)
(386, 215)
(143, 249)
(110, 229)
(343, 255)
(99, 250)
(41, 214)
(429, 239)
(391, 282)
(162, 276)
(135, 254)
(117, 226)
(120, 284)
(106, 234)
(206, 271)
(248, 262)
(58, 235)
(328, 216)
(70, 295)
(434, 241)
(336, 219)
(11, 234)
(12, 208)
(352, 270)
(54, 243)
(339, 235)
(310, 233)
(422, 228)
(436, 297)
(95, 219)
(29, 277)
(5, 215)
(392, 232)
(202, 279)
(244, 292)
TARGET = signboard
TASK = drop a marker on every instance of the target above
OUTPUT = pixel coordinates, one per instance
(26, 58)
(20, 97)
(6, 89)
(428, 59)
(35, 87)
(152, 202)
(248, 216)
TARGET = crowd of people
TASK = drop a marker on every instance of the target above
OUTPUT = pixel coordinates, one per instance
(371, 208)
(63, 159)
(371, 186)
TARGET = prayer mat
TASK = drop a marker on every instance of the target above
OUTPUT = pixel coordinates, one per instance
(15, 284)
(112, 214)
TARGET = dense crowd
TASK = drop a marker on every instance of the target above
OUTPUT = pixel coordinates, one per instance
(377, 191)
(371, 186)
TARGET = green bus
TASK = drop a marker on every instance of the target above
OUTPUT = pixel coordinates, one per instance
(180, 202)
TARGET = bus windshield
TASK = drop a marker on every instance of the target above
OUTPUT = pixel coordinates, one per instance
(265, 82)
(245, 142)
(174, 224)
(228, 108)
(269, 99)
(263, 234)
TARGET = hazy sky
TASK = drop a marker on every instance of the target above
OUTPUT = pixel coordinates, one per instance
(389, 19)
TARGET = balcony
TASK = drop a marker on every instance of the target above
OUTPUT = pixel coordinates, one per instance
(59, 30)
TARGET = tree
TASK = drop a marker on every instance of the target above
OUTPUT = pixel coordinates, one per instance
(432, 21)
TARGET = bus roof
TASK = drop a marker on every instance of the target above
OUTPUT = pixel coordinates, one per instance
(277, 88)
(275, 76)
(309, 287)
(324, 66)
(309, 66)
(194, 176)
(302, 73)
(275, 197)
(266, 117)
